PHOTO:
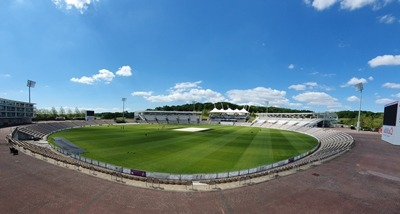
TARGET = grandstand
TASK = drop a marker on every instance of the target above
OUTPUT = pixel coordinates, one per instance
(295, 121)
(331, 144)
(41, 130)
(228, 115)
(217, 116)
(171, 117)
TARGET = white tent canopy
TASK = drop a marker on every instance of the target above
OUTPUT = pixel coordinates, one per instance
(229, 111)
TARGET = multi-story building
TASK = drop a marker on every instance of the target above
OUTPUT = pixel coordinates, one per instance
(15, 112)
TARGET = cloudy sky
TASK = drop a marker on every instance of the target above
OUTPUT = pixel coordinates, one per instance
(300, 54)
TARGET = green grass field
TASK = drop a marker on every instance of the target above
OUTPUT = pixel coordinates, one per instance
(160, 148)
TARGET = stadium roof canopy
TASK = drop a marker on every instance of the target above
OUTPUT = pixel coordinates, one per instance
(229, 111)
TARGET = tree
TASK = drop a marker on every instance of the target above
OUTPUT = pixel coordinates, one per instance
(77, 113)
(40, 114)
(62, 112)
(378, 121)
(53, 113)
(369, 122)
(70, 114)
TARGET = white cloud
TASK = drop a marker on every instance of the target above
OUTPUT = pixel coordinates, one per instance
(298, 87)
(80, 5)
(325, 75)
(347, 4)
(370, 78)
(387, 19)
(383, 101)
(397, 95)
(355, 4)
(310, 86)
(379, 4)
(258, 96)
(125, 71)
(189, 91)
(384, 60)
(291, 66)
(391, 85)
(142, 93)
(353, 99)
(187, 85)
(328, 75)
(186, 91)
(201, 95)
(354, 81)
(318, 99)
(83, 80)
(323, 4)
(304, 86)
(103, 75)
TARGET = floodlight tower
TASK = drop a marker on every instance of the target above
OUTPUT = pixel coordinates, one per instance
(267, 102)
(123, 109)
(360, 88)
(194, 105)
(30, 84)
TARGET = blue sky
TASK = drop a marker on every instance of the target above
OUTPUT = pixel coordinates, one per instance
(300, 54)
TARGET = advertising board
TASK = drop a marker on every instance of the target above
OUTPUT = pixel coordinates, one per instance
(391, 123)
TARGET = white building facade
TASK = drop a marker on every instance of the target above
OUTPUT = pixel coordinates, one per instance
(14, 112)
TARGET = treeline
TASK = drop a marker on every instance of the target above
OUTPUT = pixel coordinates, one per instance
(53, 114)
(115, 115)
(206, 107)
(368, 120)
(69, 114)
(354, 114)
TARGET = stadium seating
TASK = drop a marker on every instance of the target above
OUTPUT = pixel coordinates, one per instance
(331, 144)
(40, 130)
(160, 117)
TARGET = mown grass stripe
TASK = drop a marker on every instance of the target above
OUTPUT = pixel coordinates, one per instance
(159, 148)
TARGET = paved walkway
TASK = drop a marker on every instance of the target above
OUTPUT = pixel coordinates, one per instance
(364, 180)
